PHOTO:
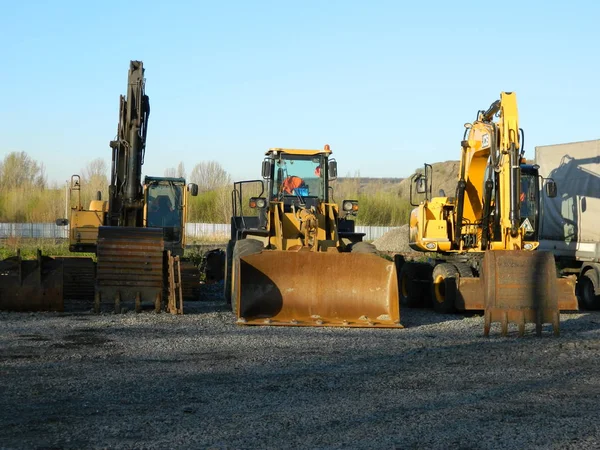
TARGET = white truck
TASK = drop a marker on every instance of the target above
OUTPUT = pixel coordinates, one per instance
(570, 222)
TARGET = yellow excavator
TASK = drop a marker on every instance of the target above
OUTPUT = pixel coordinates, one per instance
(484, 239)
(138, 234)
(295, 259)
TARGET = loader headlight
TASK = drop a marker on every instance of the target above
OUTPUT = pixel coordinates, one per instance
(350, 205)
(258, 202)
(430, 245)
(528, 246)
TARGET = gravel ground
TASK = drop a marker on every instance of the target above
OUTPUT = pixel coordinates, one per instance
(200, 381)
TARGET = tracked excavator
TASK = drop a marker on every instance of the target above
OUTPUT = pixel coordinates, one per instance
(294, 257)
(484, 240)
(138, 235)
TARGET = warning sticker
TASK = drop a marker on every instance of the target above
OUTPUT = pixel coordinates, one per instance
(526, 225)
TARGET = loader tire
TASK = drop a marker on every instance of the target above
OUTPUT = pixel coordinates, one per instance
(243, 247)
(444, 287)
(411, 291)
(363, 247)
(587, 285)
(227, 274)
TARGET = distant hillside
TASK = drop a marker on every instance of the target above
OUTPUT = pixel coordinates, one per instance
(444, 177)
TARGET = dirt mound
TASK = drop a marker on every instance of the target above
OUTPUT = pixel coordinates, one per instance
(445, 175)
(395, 240)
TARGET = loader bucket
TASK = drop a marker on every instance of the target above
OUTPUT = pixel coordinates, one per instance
(31, 285)
(317, 289)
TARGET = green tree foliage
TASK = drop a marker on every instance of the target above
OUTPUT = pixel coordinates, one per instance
(19, 170)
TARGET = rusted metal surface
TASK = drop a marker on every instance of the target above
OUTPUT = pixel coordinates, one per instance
(317, 289)
(130, 267)
(79, 278)
(190, 281)
(175, 295)
(31, 285)
(470, 294)
(520, 287)
(567, 300)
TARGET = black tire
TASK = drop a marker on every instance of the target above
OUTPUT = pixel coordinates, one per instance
(364, 247)
(243, 247)
(227, 273)
(444, 287)
(464, 269)
(411, 286)
(587, 284)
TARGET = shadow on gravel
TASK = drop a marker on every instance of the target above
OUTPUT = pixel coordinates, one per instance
(415, 317)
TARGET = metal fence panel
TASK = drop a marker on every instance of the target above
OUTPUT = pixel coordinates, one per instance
(192, 230)
(33, 230)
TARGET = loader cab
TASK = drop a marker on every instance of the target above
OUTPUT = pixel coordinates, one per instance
(299, 177)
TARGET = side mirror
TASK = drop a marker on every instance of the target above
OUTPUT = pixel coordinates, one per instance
(266, 169)
(551, 189)
(192, 189)
(62, 222)
(332, 170)
(421, 183)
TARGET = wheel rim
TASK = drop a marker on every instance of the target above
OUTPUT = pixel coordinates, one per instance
(404, 286)
(439, 289)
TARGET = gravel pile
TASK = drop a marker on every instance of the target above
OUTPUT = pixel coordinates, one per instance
(76, 381)
(395, 240)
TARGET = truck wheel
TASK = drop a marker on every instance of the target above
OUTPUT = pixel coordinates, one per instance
(411, 291)
(444, 287)
(588, 283)
(227, 274)
(243, 247)
(363, 247)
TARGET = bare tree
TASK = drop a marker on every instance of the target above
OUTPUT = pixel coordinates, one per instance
(181, 170)
(19, 170)
(94, 179)
(209, 176)
(170, 172)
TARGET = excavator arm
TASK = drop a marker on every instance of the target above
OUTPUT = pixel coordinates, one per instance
(126, 194)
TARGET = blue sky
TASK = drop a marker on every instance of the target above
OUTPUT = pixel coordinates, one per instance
(388, 84)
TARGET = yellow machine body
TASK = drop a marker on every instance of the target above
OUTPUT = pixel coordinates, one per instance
(301, 269)
(495, 209)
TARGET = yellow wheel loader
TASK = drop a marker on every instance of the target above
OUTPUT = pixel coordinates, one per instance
(484, 239)
(294, 258)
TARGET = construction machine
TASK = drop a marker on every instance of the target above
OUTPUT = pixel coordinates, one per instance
(294, 257)
(484, 240)
(138, 235)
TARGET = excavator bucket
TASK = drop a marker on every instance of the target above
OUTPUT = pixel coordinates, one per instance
(522, 287)
(31, 285)
(317, 289)
(130, 267)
